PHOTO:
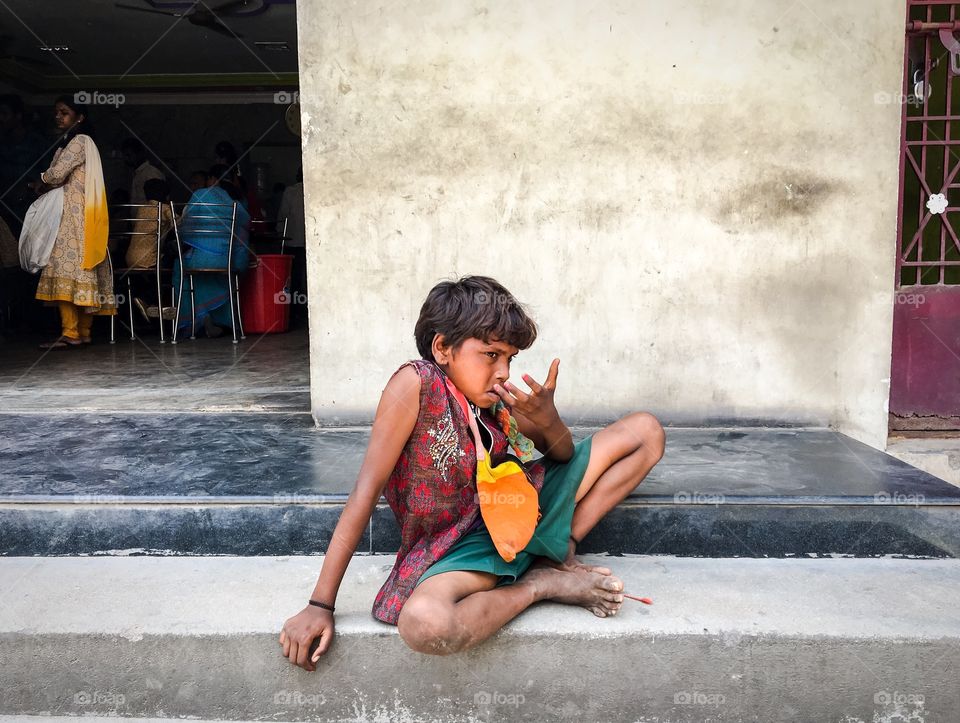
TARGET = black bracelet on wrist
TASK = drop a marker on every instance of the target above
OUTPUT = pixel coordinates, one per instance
(322, 605)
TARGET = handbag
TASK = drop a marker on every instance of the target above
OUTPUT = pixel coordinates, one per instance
(40, 227)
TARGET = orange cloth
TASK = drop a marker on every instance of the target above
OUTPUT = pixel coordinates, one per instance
(509, 504)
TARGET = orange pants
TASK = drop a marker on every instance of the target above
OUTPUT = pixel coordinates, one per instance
(76, 322)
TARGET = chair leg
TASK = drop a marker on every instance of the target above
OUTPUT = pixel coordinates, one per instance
(133, 336)
(233, 317)
(163, 339)
(236, 288)
(179, 307)
(193, 311)
(176, 314)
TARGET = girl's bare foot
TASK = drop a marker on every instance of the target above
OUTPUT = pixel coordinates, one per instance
(601, 594)
(572, 563)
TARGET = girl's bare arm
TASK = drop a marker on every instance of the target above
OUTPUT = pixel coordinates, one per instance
(394, 422)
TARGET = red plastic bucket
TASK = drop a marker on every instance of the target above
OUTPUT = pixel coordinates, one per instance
(265, 295)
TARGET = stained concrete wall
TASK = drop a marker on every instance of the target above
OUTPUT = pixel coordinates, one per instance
(698, 199)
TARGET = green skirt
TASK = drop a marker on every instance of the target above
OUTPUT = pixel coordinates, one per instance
(475, 551)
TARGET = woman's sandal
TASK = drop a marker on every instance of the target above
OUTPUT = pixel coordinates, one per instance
(61, 343)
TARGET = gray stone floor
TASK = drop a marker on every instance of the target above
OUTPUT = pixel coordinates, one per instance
(267, 484)
(252, 457)
(267, 372)
(186, 449)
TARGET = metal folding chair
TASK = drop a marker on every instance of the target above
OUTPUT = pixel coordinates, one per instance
(233, 276)
(156, 269)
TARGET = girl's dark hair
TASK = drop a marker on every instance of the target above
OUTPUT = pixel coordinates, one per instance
(85, 126)
(473, 306)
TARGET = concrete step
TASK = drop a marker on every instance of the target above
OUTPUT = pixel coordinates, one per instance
(841, 640)
(105, 719)
(936, 453)
(198, 484)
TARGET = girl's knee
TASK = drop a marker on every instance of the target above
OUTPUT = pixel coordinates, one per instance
(648, 432)
(427, 626)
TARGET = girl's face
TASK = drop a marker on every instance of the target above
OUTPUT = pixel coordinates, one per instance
(64, 117)
(476, 367)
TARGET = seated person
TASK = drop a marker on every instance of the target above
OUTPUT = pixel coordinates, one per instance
(205, 234)
(142, 252)
(198, 180)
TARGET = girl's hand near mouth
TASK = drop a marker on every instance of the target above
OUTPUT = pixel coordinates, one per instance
(536, 405)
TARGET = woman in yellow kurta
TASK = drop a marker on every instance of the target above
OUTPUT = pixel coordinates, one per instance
(78, 276)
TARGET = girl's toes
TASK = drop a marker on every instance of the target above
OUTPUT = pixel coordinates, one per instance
(612, 584)
(610, 608)
(601, 570)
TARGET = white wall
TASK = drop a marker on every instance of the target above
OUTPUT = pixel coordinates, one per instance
(698, 199)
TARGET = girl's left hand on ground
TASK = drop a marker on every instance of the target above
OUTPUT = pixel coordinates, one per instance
(301, 630)
(537, 404)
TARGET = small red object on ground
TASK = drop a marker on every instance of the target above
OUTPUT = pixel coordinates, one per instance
(265, 295)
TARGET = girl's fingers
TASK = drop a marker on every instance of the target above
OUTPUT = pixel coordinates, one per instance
(505, 395)
(515, 391)
(532, 383)
(325, 637)
(303, 652)
(551, 382)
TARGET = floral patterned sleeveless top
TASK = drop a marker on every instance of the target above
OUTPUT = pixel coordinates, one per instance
(433, 488)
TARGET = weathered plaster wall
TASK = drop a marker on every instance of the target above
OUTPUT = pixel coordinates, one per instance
(698, 199)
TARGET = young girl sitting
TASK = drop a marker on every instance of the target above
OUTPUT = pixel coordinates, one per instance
(486, 530)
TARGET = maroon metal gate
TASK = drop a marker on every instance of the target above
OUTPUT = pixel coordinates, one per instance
(925, 379)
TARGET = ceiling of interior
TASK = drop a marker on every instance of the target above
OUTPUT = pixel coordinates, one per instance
(131, 49)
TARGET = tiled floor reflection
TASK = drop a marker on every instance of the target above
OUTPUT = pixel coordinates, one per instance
(262, 373)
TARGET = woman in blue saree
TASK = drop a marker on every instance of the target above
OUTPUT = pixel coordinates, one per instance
(205, 234)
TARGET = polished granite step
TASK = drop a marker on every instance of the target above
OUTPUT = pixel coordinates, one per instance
(274, 484)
